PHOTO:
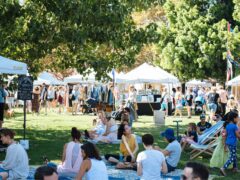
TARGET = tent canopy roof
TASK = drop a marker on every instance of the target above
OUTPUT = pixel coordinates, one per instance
(8, 66)
(146, 73)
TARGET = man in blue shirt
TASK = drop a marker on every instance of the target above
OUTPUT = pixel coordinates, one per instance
(2, 102)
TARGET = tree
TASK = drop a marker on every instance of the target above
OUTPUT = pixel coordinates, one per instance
(84, 34)
(194, 41)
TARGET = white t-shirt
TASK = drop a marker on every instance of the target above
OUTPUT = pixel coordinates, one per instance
(151, 161)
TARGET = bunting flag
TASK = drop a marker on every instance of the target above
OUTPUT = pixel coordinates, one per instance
(229, 70)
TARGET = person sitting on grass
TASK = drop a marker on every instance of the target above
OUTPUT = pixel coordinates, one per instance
(194, 170)
(46, 173)
(92, 164)
(72, 156)
(203, 125)
(100, 127)
(173, 150)
(150, 163)
(231, 142)
(110, 134)
(125, 121)
(191, 135)
(15, 165)
(128, 149)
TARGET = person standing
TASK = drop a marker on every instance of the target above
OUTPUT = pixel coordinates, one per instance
(179, 105)
(213, 99)
(75, 96)
(223, 99)
(132, 100)
(43, 97)
(150, 163)
(165, 100)
(189, 101)
(231, 142)
(36, 100)
(2, 103)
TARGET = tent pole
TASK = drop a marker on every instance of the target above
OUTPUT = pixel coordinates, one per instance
(24, 120)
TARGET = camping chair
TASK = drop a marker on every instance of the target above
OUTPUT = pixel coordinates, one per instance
(207, 141)
(210, 133)
(199, 149)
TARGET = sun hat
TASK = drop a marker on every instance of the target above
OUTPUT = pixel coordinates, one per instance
(168, 134)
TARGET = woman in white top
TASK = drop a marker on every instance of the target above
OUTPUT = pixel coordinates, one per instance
(15, 165)
(150, 163)
(92, 164)
(110, 134)
(50, 96)
(72, 156)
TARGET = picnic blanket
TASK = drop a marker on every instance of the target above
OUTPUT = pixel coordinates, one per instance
(118, 174)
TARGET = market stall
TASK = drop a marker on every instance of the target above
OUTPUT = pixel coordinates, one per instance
(152, 80)
(235, 86)
(50, 78)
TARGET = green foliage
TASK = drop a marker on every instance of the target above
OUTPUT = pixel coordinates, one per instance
(83, 34)
(193, 43)
(236, 10)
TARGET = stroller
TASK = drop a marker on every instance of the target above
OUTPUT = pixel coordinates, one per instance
(199, 102)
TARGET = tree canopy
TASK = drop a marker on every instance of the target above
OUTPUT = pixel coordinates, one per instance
(60, 34)
(194, 38)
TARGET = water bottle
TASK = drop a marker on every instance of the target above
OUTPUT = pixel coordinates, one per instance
(121, 157)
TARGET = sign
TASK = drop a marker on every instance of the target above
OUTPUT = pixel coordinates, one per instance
(25, 87)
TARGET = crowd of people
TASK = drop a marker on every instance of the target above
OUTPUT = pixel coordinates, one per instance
(216, 100)
(83, 159)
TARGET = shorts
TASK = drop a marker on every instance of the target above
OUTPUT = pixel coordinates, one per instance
(179, 106)
(212, 107)
(50, 99)
(164, 106)
(1, 111)
(170, 168)
(188, 103)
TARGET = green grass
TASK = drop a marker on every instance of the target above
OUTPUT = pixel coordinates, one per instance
(48, 134)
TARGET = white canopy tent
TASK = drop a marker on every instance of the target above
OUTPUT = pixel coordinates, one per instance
(47, 78)
(8, 66)
(40, 81)
(234, 82)
(146, 73)
(90, 78)
(196, 82)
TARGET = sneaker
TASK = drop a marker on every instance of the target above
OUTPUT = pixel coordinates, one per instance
(222, 171)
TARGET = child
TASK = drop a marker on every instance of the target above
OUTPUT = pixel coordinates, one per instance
(191, 135)
(231, 142)
(220, 154)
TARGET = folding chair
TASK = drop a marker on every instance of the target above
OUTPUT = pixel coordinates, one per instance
(207, 141)
(199, 149)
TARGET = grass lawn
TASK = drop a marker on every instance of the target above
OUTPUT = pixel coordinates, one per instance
(47, 135)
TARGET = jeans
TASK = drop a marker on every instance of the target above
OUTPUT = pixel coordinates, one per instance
(232, 157)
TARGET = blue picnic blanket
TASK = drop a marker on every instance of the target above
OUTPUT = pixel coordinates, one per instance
(117, 174)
